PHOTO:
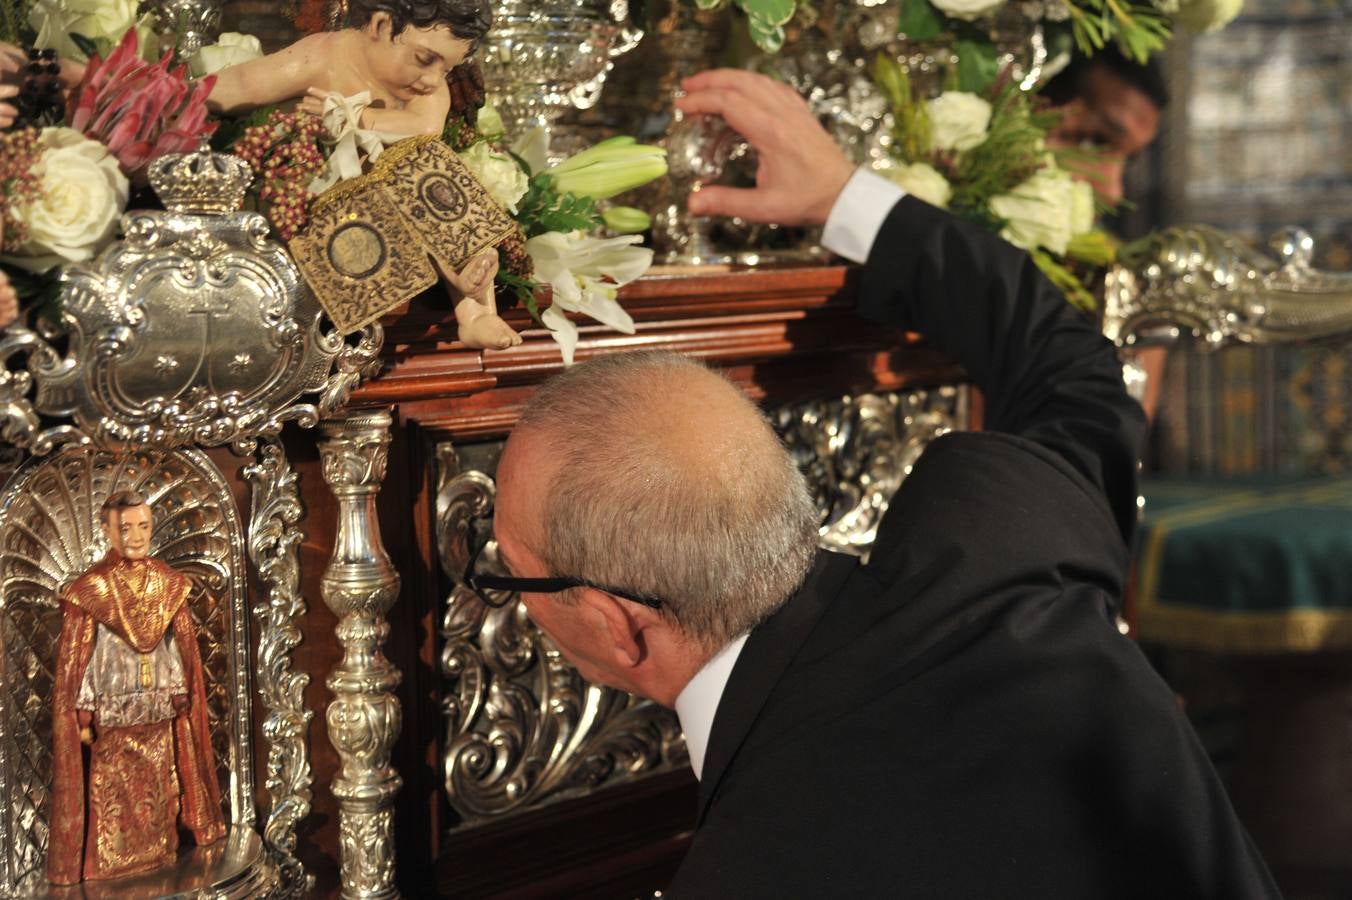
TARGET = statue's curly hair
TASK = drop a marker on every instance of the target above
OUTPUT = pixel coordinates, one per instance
(468, 20)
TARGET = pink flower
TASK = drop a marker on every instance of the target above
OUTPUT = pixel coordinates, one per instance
(138, 110)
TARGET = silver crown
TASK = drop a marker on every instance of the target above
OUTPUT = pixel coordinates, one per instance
(203, 181)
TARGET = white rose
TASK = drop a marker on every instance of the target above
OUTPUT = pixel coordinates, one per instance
(82, 195)
(232, 49)
(1200, 16)
(490, 121)
(500, 174)
(1039, 212)
(1081, 208)
(959, 120)
(102, 21)
(971, 10)
(921, 181)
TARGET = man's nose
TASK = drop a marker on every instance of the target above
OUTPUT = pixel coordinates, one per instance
(1110, 182)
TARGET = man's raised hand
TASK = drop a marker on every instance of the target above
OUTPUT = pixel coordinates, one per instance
(800, 169)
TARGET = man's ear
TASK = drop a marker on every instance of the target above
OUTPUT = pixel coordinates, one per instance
(625, 624)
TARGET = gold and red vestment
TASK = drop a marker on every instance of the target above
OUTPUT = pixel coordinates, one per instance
(128, 663)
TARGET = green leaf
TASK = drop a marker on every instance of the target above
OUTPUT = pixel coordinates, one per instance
(771, 12)
(525, 289)
(86, 45)
(1094, 247)
(977, 65)
(919, 20)
(13, 26)
(891, 77)
(769, 38)
(545, 208)
(40, 291)
(1064, 279)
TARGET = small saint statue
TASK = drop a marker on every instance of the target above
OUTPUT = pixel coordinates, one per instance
(129, 685)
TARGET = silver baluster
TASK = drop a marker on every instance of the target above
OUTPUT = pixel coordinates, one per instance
(360, 585)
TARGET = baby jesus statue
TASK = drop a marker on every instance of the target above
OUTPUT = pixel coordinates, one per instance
(129, 684)
(395, 55)
(399, 54)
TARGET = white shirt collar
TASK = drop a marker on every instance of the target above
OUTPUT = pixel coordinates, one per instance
(698, 701)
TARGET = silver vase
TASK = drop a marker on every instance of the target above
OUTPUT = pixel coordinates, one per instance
(545, 57)
(684, 40)
(705, 152)
(185, 25)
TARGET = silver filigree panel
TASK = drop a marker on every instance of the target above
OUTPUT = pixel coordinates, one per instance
(522, 726)
(49, 535)
(274, 540)
(856, 450)
(192, 330)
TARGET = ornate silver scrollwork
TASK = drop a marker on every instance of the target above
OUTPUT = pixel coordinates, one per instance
(360, 585)
(273, 543)
(194, 329)
(522, 726)
(49, 535)
(856, 450)
(1200, 280)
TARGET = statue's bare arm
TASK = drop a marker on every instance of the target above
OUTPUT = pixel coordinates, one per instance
(275, 78)
(421, 115)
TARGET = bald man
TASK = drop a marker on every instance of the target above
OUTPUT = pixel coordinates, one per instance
(957, 718)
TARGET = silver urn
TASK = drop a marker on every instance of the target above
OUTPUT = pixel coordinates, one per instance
(545, 57)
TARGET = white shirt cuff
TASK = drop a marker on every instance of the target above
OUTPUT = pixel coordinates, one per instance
(858, 214)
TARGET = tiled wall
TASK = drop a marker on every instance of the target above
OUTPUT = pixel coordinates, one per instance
(1259, 137)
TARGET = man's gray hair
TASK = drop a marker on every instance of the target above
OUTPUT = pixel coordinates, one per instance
(716, 522)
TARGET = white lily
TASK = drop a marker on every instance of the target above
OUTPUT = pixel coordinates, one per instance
(586, 274)
(533, 147)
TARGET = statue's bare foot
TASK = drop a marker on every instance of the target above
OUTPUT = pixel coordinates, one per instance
(488, 331)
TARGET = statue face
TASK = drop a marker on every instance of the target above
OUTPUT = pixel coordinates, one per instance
(128, 531)
(415, 61)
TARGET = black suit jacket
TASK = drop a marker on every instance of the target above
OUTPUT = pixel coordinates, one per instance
(960, 717)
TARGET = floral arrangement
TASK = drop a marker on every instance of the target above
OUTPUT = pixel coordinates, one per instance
(984, 157)
(139, 111)
(559, 212)
(1138, 27)
(64, 184)
(979, 148)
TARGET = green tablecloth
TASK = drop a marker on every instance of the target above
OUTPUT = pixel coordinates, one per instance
(1252, 565)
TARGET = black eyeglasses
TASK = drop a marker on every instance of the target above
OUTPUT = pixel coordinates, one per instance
(481, 583)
